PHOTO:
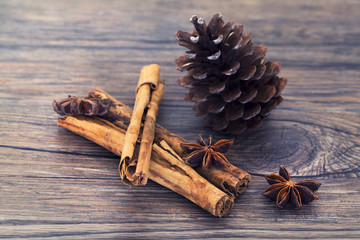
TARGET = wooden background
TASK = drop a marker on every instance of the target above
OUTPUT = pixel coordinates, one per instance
(55, 184)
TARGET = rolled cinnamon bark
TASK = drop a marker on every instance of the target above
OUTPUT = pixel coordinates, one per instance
(143, 163)
(120, 114)
(233, 185)
(220, 178)
(231, 180)
(131, 171)
(165, 168)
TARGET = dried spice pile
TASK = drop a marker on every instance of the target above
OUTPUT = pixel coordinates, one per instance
(104, 120)
(230, 82)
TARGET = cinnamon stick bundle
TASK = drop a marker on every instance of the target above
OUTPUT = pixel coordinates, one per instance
(166, 167)
(148, 97)
(231, 180)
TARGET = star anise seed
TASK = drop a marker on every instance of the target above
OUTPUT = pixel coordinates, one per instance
(207, 154)
(283, 190)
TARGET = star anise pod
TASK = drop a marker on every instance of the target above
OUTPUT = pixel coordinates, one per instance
(207, 154)
(283, 190)
(74, 106)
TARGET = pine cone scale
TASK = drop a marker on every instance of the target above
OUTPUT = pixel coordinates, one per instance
(260, 70)
(251, 110)
(231, 93)
(215, 105)
(215, 23)
(234, 111)
(216, 87)
(247, 95)
(280, 84)
(265, 93)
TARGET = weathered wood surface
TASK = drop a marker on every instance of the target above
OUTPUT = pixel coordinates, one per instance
(54, 184)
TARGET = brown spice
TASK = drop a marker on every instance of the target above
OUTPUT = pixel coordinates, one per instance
(148, 81)
(148, 134)
(207, 154)
(283, 189)
(74, 106)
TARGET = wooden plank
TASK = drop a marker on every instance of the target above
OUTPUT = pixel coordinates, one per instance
(54, 184)
(74, 196)
(309, 145)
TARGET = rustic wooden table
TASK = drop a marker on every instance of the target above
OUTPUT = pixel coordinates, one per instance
(55, 184)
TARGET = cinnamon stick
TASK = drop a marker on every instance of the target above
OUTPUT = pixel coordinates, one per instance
(143, 163)
(225, 181)
(120, 114)
(166, 168)
(231, 180)
(231, 184)
(148, 81)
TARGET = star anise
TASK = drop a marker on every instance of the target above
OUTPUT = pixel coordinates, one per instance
(282, 189)
(207, 154)
(74, 106)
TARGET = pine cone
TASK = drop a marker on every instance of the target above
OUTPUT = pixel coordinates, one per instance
(229, 79)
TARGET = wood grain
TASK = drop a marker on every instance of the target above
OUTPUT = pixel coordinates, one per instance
(54, 184)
